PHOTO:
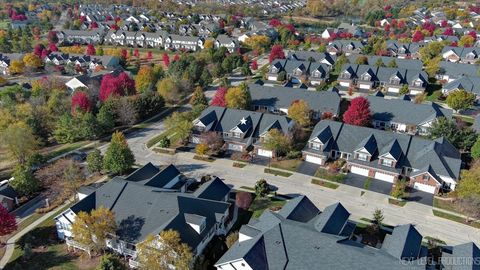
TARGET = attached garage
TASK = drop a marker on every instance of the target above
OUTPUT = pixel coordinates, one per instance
(425, 188)
(264, 153)
(345, 84)
(364, 86)
(385, 177)
(358, 170)
(195, 139)
(393, 90)
(314, 159)
(235, 147)
(272, 78)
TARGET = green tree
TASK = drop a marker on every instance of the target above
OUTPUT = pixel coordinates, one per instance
(432, 66)
(379, 63)
(431, 50)
(172, 251)
(181, 124)
(262, 188)
(198, 97)
(476, 149)
(460, 100)
(341, 60)
(19, 141)
(461, 138)
(282, 76)
(164, 142)
(111, 262)
(106, 115)
(238, 98)
(377, 217)
(398, 190)
(404, 90)
(95, 161)
(469, 187)
(118, 157)
(392, 64)
(169, 90)
(300, 112)
(24, 182)
(277, 142)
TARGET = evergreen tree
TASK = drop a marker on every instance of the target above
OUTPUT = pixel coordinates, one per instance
(118, 158)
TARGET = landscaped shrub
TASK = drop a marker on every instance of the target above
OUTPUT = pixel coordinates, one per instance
(243, 199)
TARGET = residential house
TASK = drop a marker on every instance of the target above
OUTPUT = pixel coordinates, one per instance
(374, 60)
(8, 196)
(300, 236)
(241, 130)
(403, 50)
(84, 37)
(346, 47)
(6, 59)
(404, 115)
(225, 41)
(177, 42)
(155, 200)
(344, 28)
(277, 100)
(299, 71)
(150, 40)
(430, 165)
(312, 56)
(467, 83)
(275, 68)
(467, 55)
(450, 71)
(367, 77)
(459, 257)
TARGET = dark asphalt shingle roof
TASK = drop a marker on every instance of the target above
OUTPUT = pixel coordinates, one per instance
(462, 257)
(215, 189)
(283, 97)
(404, 242)
(8, 192)
(299, 209)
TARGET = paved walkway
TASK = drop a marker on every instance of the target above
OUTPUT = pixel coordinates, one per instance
(11, 242)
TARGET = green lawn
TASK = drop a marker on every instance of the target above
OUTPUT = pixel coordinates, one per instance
(287, 164)
(324, 183)
(65, 148)
(277, 172)
(445, 205)
(335, 177)
(48, 251)
(260, 204)
(456, 218)
(397, 202)
(168, 133)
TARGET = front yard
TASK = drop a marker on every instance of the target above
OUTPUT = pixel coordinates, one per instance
(259, 205)
(287, 164)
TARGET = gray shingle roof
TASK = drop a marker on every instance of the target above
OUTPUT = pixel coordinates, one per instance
(401, 63)
(403, 243)
(215, 189)
(300, 209)
(283, 97)
(8, 192)
(280, 243)
(471, 84)
(455, 70)
(141, 210)
(462, 257)
(311, 55)
(404, 111)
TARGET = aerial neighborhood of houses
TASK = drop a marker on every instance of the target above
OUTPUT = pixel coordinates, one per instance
(240, 135)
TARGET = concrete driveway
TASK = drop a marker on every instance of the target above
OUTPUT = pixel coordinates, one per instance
(420, 197)
(376, 185)
(307, 168)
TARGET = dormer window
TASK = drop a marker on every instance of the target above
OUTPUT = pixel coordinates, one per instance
(362, 157)
(395, 80)
(346, 75)
(366, 77)
(426, 177)
(315, 146)
(237, 135)
(349, 47)
(386, 162)
(401, 50)
(418, 82)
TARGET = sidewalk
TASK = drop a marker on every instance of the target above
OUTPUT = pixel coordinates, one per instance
(11, 242)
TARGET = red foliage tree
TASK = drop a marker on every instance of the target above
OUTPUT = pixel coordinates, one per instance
(243, 199)
(90, 50)
(114, 27)
(108, 18)
(448, 31)
(387, 27)
(38, 49)
(80, 101)
(149, 56)
(276, 53)
(52, 37)
(8, 224)
(221, 24)
(443, 23)
(219, 98)
(275, 22)
(45, 53)
(401, 24)
(53, 47)
(358, 113)
(136, 53)
(124, 54)
(430, 27)
(290, 28)
(387, 7)
(116, 86)
(417, 36)
(254, 65)
(93, 25)
(166, 59)
(454, 44)
(473, 34)
(176, 57)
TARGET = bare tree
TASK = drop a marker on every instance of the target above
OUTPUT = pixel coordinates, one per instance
(470, 206)
(126, 112)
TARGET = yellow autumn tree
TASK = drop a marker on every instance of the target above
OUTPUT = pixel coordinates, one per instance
(91, 229)
(16, 67)
(300, 112)
(208, 44)
(32, 61)
(258, 42)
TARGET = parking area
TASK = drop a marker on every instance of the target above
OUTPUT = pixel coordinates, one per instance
(375, 184)
(307, 168)
(420, 197)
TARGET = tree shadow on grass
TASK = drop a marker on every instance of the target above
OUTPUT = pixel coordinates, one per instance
(54, 257)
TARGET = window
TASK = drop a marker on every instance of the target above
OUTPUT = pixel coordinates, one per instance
(425, 177)
(417, 83)
(366, 77)
(363, 157)
(315, 146)
(236, 135)
(387, 162)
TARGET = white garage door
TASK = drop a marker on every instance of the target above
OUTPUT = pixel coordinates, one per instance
(313, 159)
(384, 177)
(234, 147)
(358, 170)
(425, 188)
(264, 153)
(393, 90)
(272, 78)
(195, 139)
(364, 86)
(346, 84)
